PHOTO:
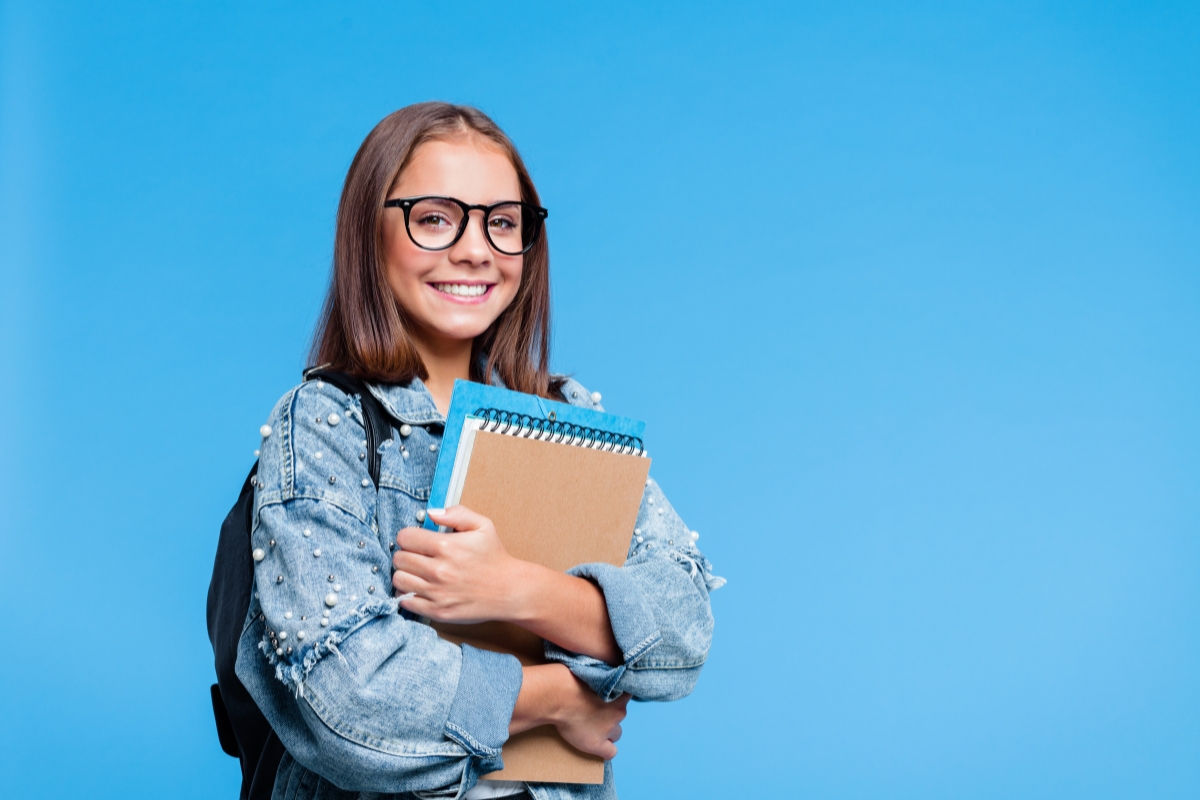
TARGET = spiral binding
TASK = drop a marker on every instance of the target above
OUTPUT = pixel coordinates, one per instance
(497, 420)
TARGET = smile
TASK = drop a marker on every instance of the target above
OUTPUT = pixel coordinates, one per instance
(463, 289)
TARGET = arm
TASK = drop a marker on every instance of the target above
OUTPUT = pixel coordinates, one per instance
(644, 628)
(355, 692)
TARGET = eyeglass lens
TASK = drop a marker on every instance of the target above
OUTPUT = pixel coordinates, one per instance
(434, 223)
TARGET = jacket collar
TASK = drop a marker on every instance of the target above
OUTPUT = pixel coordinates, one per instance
(409, 403)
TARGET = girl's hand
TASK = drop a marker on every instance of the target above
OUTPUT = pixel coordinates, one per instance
(465, 576)
(550, 694)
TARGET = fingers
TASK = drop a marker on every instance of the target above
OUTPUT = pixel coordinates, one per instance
(419, 540)
(404, 582)
(459, 518)
(419, 606)
(414, 563)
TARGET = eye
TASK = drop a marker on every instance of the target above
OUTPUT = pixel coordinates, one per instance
(433, 219)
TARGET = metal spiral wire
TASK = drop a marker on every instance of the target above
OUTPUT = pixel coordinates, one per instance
(497, 420)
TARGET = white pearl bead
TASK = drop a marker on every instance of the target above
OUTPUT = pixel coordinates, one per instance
(404, 453)
(337, 587)
(695, 536)
(307, 532)
(420, 515)
(433, 448)
(287, 615)
(318, 455)
(650, 500)
(256, 454)
(317, 553)
(278, 651)
(259, 554)
(300, 635)
(334, 419)
(331, 599)
(264, 431)
(282, 635)
(595, 397)
(406, 430)
(641, 539)
(325, 623)
(366, 482)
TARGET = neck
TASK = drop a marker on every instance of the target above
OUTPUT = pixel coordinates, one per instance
(445, 361)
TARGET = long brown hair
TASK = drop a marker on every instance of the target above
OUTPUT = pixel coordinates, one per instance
(362, 329)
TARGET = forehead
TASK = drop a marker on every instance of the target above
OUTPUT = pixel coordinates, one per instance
(471, 169)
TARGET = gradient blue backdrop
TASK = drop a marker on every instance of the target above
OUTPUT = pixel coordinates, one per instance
(908, 294)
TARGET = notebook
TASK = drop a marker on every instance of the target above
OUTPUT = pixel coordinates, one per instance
(562, 485)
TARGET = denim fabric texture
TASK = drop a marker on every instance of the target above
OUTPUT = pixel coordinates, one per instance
(371, 704)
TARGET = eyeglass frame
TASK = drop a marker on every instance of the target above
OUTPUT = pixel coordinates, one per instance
(406, 204)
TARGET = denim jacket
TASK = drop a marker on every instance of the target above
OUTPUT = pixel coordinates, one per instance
(369, 703)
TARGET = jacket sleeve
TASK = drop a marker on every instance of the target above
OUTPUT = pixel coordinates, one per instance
(356, 692)
(658, 604)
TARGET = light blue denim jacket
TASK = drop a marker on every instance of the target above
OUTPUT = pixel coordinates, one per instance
(367, 701)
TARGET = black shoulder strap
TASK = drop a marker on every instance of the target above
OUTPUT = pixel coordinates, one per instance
(376, 419)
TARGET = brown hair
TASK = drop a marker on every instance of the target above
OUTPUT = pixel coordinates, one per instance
(362, 329)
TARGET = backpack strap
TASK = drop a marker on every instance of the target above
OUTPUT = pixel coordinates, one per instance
(377, 421)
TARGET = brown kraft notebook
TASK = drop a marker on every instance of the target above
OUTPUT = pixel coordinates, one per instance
(557, 505)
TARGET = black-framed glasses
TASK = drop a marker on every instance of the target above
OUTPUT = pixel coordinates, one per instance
(436, 223)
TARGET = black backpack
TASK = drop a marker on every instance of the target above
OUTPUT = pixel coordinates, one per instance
(243, 730)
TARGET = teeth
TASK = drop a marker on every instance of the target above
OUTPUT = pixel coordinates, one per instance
(462, 289)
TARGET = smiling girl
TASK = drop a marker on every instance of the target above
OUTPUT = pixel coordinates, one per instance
(441, 272)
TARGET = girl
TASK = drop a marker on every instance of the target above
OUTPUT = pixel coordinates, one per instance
(441, 272)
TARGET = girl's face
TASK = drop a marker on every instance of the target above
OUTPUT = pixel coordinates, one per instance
(453, 295)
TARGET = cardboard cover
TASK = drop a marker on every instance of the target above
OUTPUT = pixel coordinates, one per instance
(558, 506)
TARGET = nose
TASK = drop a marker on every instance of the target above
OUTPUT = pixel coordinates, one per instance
(472, 247)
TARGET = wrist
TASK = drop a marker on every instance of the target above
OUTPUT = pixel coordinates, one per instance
(547, 692)
(529, 587)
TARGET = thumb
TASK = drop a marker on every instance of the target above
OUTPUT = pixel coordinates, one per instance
(457, 518)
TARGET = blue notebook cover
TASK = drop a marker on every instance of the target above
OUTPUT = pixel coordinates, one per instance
(469, 397)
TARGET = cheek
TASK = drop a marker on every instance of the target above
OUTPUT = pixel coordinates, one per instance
(512, 268)
(404, 266)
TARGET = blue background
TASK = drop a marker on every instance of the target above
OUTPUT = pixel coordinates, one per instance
(907, 292)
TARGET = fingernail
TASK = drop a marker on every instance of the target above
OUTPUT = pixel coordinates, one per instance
(435, 511)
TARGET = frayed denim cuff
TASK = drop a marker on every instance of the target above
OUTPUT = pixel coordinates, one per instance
(633, 626)
(488, 685)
